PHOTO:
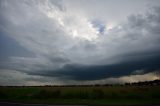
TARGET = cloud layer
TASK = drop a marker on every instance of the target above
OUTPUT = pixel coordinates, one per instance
(63, 43)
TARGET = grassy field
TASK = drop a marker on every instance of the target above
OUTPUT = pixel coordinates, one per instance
(83, 95)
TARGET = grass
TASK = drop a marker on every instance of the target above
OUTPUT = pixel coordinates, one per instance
(83, 95)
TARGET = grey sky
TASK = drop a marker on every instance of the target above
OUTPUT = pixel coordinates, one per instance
(62, 42)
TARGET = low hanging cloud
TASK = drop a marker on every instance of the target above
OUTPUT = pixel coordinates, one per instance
(70, 45)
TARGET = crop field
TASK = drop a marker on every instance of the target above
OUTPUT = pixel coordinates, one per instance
(82, 95)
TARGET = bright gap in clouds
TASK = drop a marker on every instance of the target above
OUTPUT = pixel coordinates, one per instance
(77, 26)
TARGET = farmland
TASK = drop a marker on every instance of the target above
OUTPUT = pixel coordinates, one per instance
(82, 94)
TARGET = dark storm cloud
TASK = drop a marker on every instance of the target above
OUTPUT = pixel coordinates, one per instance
(68, 44)
(146, 60)
(97, 72)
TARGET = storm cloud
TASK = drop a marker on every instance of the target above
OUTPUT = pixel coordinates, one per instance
(60, 40)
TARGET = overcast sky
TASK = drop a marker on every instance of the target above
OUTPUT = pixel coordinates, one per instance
(79, 41)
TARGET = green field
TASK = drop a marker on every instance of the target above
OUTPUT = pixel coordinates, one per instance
(83, 95)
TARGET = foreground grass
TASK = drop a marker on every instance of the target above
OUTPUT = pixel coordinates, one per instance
(82, 95)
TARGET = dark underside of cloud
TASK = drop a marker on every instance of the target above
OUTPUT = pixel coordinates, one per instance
(97, 72)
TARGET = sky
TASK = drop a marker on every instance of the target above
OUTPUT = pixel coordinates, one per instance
(63, 42)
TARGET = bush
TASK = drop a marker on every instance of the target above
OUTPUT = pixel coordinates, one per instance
(82, 95)
(2, 95)
(56, 93)
(156, 95)
(97, 94)
(113, 95)
(45, 94)
(134, 96)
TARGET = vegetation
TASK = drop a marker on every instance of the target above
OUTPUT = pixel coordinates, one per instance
(83, 94)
